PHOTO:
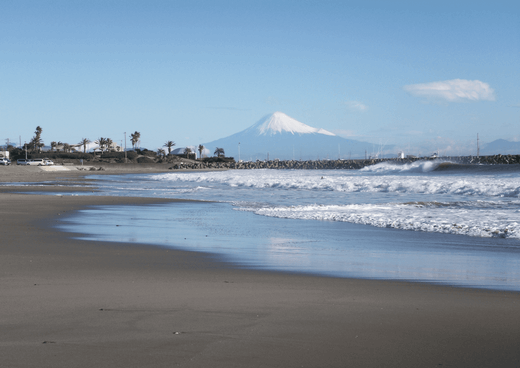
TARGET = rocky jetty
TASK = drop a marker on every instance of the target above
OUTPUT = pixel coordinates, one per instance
(338, 164)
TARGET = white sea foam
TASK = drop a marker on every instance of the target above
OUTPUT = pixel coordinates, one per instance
(415, 196)
(349, 183)
(413, 167)
(483, 219)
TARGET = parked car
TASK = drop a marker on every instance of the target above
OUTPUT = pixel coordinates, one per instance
(5, 161)
(36, 162)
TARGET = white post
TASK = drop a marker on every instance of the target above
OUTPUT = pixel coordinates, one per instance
(478, 148)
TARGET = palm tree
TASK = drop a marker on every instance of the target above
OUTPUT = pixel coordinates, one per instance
(108, 143)
(84, 142)
(102, 142)
(200, 148)
(135, 138)
(187, 151)
(219, 152)
(169, 144)
(161, 152)
(66, 147)
(36, 143)
(53, 145)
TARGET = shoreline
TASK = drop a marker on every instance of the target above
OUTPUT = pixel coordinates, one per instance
(68, 302)
(35, 174)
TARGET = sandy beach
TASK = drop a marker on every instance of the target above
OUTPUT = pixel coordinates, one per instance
(73, 303)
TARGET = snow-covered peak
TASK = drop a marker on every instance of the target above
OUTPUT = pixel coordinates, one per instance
(280, 122)
(323, 131)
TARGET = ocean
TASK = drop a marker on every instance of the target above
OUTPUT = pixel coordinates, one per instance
(431, 221)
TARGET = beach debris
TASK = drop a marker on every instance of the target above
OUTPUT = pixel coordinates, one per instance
(176, 333)
(49, 342)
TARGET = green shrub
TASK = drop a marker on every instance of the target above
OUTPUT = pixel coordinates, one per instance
(121, 155)
(62, 155)
(146, 152)
(145, 160)
(218, 159)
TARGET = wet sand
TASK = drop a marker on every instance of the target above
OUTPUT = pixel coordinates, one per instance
(73, 303)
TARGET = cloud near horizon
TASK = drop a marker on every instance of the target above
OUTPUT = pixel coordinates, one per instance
(344, 133)
(455, 90)
(356, 106)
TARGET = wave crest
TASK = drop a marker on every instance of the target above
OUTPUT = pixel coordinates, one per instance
(480, 220)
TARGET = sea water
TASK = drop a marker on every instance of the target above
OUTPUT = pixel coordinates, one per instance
(427, 221)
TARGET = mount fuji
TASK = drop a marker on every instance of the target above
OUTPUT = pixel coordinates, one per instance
(280, 136)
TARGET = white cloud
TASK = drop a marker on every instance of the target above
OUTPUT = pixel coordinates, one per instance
(356, 105)
(454, 90)
(344, 133)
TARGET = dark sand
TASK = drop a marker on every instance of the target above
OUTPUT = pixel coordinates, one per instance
(72, 303)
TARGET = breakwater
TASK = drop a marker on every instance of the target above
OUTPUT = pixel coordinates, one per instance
(340, 164)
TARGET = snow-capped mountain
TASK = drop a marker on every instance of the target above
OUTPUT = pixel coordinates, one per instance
(280, 136)
(279, 123)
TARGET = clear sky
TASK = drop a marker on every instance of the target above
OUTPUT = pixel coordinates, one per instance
(416, 75)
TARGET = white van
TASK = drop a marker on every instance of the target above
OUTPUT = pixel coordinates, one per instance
(36, 162)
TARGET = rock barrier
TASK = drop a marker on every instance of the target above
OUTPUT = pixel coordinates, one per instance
(341, 164)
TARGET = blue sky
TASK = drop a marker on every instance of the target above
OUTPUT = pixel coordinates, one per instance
(419, 76)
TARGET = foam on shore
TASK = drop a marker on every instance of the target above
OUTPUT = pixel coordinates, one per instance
(54, 168)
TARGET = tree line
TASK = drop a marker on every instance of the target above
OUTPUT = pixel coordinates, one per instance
(106, 144)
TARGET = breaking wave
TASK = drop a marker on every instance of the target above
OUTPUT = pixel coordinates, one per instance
(482, 219)
(347, 182)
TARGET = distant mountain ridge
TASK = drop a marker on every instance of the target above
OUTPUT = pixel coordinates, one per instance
(280, 136)
(500, 146)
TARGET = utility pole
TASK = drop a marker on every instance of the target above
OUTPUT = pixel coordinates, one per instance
(125, 149)
(478, 147)
(238, 151)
